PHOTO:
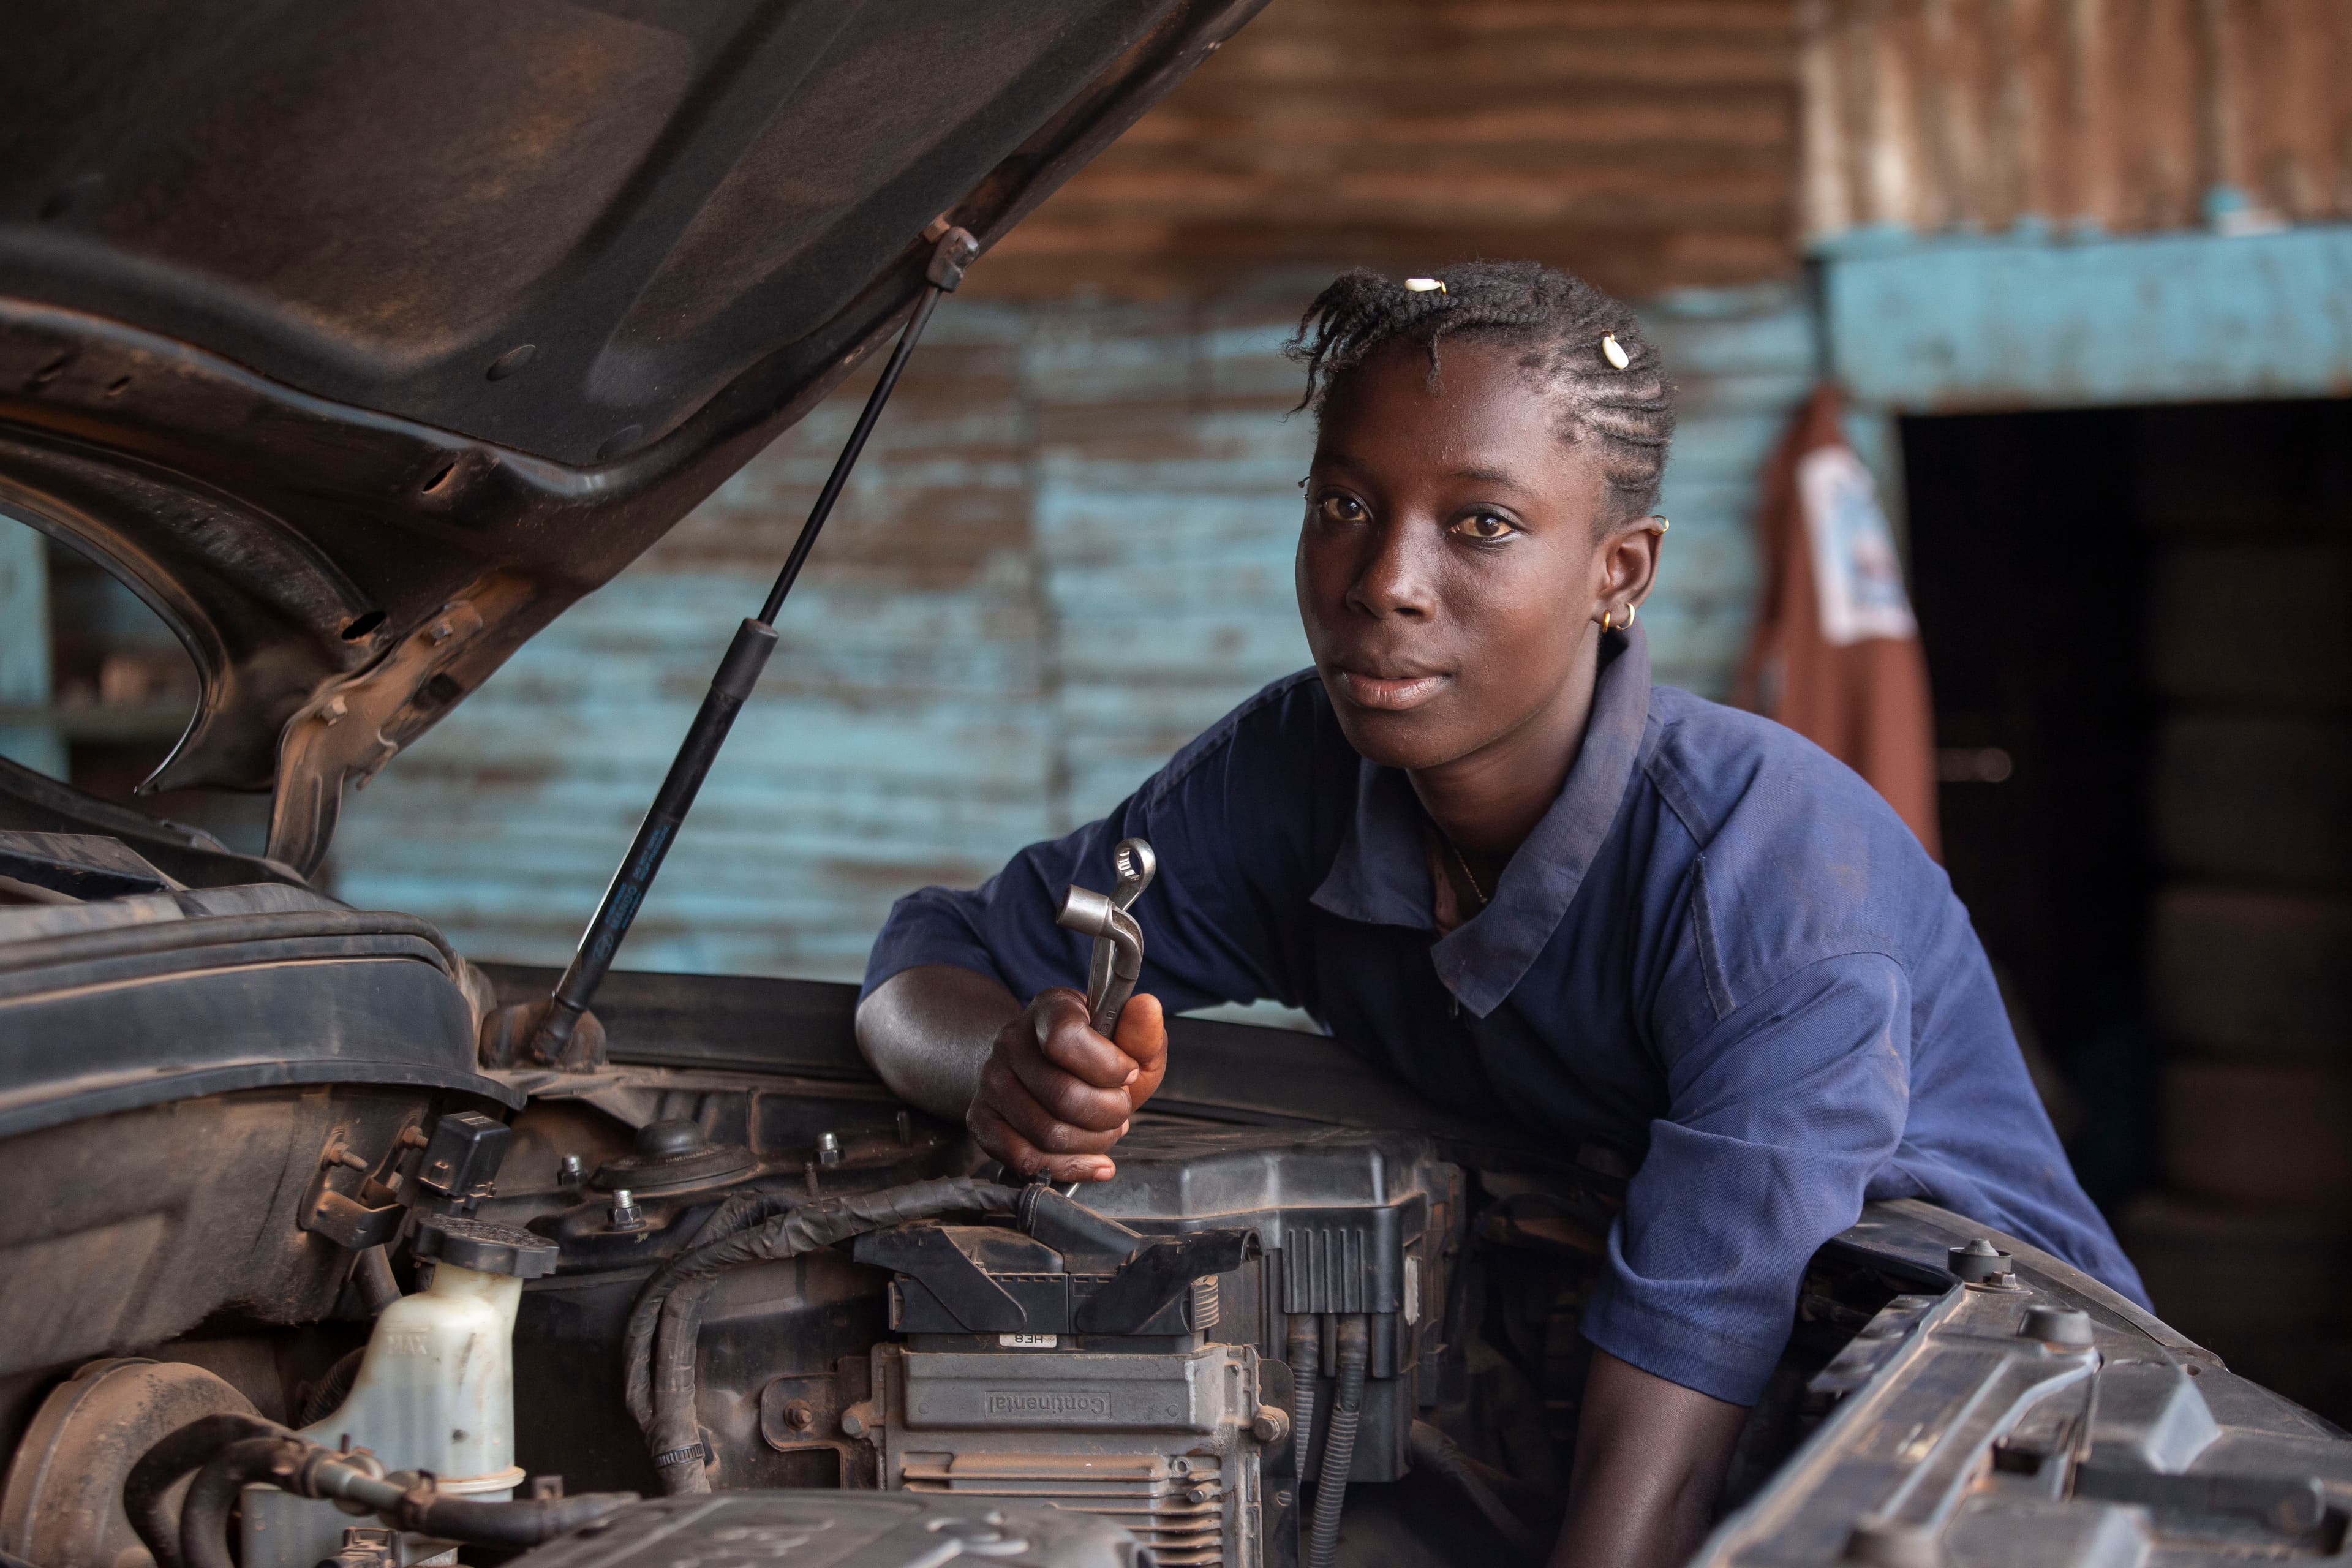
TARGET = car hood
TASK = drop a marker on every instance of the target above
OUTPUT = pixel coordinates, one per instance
(360, 339)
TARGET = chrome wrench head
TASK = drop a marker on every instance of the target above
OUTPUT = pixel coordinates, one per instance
(1117, 958)
(1137, 865)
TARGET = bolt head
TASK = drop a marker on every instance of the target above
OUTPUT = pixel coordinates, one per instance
(2060, 1328)
(1980, 1263)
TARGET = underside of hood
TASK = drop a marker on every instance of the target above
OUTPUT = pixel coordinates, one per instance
(363, 339)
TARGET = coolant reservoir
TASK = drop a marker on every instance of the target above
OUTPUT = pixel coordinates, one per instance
(435, 1392)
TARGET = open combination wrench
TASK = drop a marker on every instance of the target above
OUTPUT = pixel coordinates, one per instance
(1117, 960)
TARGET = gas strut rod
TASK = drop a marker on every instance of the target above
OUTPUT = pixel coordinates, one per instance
(738, 672)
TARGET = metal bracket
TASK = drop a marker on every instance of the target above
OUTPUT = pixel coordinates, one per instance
(343, 1220)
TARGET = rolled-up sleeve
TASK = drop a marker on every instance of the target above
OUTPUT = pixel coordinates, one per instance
(1778, 1116)
(1227, 864)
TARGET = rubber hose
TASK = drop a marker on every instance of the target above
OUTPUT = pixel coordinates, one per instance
(372, 1272)
(730, 1219)
(204, 1517)
(735, 1216)
(146, 1491)
(676, 1435)
(669, 1402)
(1305, 1348)
(407, 1501)
(1442, 1454)
(334, 1388)
(1340, 1445)
(523, 1521)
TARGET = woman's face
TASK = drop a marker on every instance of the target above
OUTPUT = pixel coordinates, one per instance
(1452, 568)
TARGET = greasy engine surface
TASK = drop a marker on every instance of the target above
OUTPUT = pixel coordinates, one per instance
(1139, 1370)
(1251, 1327)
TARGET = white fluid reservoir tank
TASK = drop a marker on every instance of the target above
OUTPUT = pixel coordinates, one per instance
(435, 1392)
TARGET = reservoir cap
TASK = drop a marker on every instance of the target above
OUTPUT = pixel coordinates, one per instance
(485, 1247)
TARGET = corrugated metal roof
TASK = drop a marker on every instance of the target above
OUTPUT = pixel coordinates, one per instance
(2118, 115)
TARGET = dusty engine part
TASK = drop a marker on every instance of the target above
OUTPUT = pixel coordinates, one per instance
(1352, 1224)
(840, 1531)
(435, 1392)
(788, 1325)
(662, 1351)
(63, 1505)
(674, 1156)
(1068, 1362)
(1162, 1444)
(223, 1460)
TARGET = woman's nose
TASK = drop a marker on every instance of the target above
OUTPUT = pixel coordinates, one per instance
(1394, 577)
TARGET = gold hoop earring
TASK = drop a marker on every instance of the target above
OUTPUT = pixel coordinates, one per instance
(1605, 615)
(1661, 523)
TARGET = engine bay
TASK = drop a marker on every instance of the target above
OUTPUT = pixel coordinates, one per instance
(717, 1281)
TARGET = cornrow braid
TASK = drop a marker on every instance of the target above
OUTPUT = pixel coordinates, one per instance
(1561, 321)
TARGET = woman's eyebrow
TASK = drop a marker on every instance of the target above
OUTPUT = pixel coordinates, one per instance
(1476, 473)
(1487, 476)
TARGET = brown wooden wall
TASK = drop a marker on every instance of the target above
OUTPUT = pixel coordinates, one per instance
(1648, 145)
(2121, 114)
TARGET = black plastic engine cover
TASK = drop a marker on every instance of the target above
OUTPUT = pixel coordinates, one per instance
(838, 1529)
(1351, 1222)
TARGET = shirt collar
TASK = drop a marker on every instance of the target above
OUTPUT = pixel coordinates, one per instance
(1381, 875)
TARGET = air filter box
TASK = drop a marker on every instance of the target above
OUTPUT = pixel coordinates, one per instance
(1350, 1222)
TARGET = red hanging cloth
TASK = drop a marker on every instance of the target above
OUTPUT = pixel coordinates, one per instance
(1835, 654)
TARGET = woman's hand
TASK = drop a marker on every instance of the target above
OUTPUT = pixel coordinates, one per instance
(1053, 1094)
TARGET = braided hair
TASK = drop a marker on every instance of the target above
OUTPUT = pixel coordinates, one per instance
(1559, 320)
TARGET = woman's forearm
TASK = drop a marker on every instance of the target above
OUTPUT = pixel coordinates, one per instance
(1650, 1457)
(928, 1030)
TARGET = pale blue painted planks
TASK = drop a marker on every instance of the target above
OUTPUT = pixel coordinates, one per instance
(1068, 551)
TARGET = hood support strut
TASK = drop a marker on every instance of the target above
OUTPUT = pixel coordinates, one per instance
(551, 1043)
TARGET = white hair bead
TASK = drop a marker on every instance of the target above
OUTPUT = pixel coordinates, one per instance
(1610, 349)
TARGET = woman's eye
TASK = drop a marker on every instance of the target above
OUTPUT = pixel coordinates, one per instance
(1485, 526)
(1340, 508)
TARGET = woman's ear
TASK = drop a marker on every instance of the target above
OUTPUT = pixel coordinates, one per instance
(1627, 564)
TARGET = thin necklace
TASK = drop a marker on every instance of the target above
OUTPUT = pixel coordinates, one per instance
(1471, 877)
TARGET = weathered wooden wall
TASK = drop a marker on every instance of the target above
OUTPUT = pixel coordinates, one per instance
(1066, 552)
(1648, 145)
(1069, 548)
(2112, 115)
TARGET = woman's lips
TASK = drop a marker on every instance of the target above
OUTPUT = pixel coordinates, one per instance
(1394, 694)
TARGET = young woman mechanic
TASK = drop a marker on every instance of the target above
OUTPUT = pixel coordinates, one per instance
(1482, 849)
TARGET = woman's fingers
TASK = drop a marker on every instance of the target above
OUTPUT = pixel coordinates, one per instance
(1065, 1038)
(1056, 1095)
(1069, 1069)
(1143, 1039)
(993, 1133)
(1002, 1091)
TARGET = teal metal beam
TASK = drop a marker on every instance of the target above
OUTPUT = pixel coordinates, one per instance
(2028, 320)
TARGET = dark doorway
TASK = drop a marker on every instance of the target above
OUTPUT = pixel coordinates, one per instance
(2029, 570)
(2139, 626)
